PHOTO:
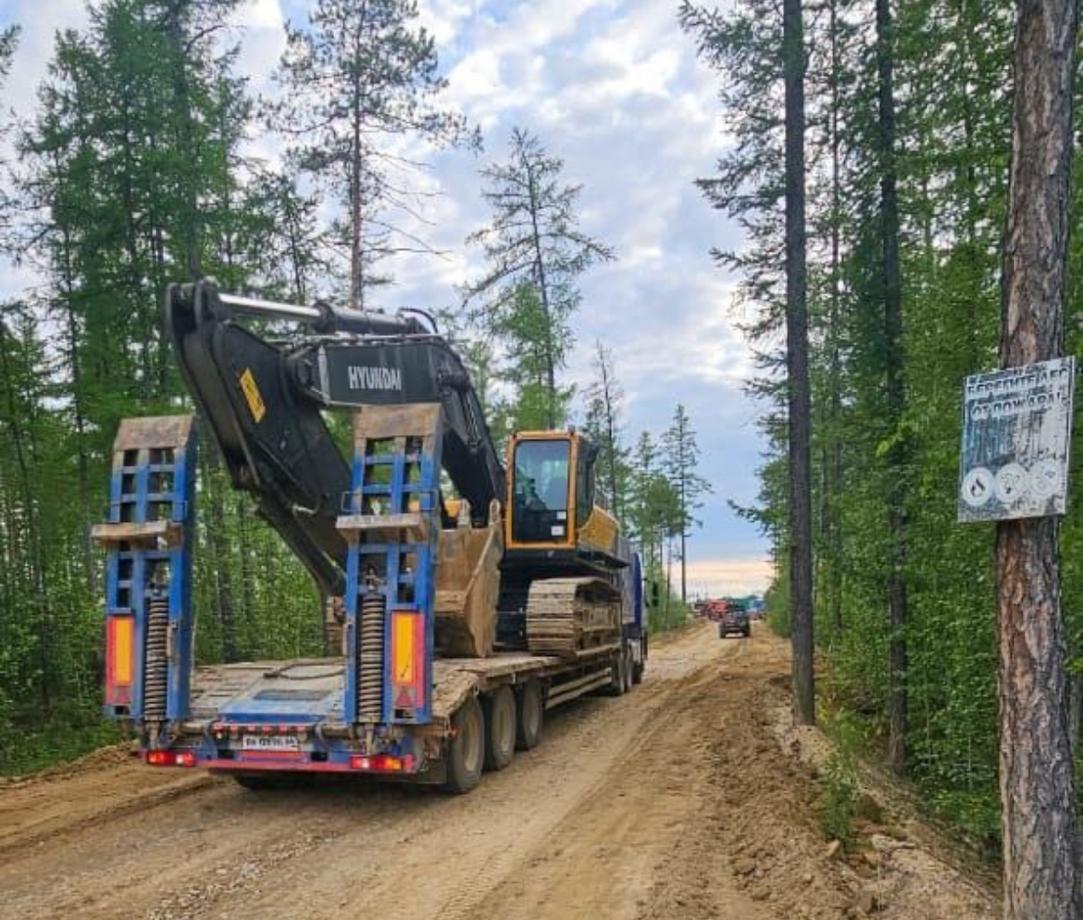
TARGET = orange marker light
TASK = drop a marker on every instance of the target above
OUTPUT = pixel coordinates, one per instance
(407, 659)
(119, 632)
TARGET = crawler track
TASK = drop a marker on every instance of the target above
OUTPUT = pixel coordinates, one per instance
(565, 616)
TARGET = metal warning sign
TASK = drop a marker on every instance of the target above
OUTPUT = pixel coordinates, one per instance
(1016, 435)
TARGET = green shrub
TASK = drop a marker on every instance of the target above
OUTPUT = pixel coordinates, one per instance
(839, 788)
(838, 797)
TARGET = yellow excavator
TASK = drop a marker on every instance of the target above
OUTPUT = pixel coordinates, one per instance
(562, 568)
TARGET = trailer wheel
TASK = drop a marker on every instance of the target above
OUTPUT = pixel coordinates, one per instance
(530, 712)
(628, 667)
(637, 671)
(499, 728)
(616, 671)
(466, 750)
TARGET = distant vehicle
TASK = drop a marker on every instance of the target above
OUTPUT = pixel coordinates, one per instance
(734, 620)
(715, 610)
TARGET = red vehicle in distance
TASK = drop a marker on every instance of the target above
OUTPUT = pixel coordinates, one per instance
(716, 609)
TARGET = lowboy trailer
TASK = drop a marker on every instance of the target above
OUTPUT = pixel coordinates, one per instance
(460, 625)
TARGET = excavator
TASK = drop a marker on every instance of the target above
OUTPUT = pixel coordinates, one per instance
(426, 549)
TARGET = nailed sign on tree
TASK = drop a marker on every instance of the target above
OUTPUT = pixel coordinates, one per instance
(1016, 435)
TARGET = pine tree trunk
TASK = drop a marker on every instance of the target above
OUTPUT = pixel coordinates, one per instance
(1042, 875)
(804, 692)
(543, 291)
(219, 547)
(834, 379)
(893, 367)
(189, 222)
(357, 262)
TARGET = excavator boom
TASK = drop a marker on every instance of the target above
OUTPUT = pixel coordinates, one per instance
(262, 400)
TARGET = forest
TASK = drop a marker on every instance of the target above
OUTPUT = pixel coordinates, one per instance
(134, 173)
(907, 111)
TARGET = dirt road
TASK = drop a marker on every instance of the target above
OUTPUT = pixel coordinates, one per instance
(678, 800)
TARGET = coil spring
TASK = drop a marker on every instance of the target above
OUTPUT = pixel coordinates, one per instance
(370, 659)
(155, 671)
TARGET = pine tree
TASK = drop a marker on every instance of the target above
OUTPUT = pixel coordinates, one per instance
(533, 244)
(604, 424)
(681, 460)
(360, 75)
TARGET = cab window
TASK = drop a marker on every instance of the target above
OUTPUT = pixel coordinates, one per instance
(540, 496)
(584, 494)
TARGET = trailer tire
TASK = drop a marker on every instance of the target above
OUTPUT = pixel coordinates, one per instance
(500, 728)
(465, 755)
(637, 670)
(530, 716)
(628, 666)
(617, 669)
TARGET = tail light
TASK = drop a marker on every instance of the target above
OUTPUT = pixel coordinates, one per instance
(171, 758)
(382, 763)
(119, 660)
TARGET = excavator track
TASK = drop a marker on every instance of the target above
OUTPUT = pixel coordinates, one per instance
(567, 616)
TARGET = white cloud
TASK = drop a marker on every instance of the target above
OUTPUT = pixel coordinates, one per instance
(729, 576)
(39, 22)
(612, 87)
(259, 25)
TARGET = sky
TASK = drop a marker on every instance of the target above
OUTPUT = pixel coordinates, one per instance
(614, 89)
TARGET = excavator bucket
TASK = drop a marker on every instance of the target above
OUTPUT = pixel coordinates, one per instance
(468, 586)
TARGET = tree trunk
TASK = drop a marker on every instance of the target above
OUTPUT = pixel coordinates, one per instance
(611, 431)
(893, 373)
(804, 691)
(834, 451)
(219, 547)
(189, 223)
(543, 291)
(1042, 876)
(357, 262)
(684, 572)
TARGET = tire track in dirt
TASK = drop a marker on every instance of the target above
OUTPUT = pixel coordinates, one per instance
(676, 802)
(607, 858)
(218, 851)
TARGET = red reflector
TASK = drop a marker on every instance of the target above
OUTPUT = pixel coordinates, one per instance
(186, 759)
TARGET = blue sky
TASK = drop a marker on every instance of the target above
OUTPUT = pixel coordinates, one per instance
(614, 89)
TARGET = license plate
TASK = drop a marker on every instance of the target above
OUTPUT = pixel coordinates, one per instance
(270, 743)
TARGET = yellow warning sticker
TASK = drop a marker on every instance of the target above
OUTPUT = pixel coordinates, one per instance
(252, 395)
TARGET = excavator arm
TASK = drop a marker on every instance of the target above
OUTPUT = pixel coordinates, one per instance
(262, 400)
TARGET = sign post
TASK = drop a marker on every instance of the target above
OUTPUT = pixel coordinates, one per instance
(1016, 436)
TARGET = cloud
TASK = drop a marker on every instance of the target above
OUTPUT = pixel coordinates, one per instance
(258, 24)
(39, 22)
(612, 87)
(728, 576)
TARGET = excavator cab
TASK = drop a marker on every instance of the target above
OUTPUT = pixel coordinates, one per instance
(551, 497)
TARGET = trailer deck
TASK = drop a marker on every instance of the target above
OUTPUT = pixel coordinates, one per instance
(312, 689)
